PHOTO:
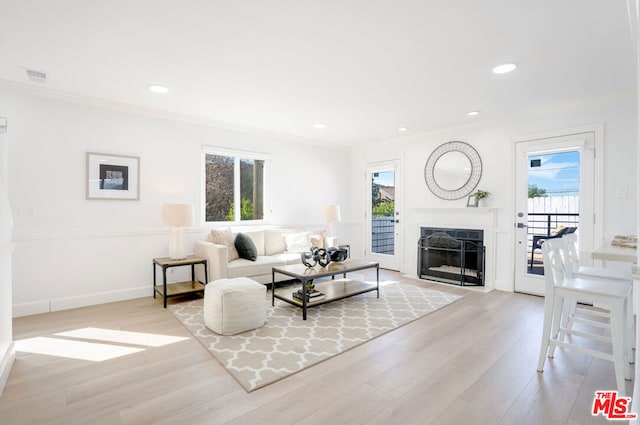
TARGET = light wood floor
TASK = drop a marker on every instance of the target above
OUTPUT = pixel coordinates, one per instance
(473, 362)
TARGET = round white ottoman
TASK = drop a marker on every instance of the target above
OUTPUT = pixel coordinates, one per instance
(235, 305)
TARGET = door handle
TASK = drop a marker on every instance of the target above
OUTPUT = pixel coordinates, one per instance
(521, 226)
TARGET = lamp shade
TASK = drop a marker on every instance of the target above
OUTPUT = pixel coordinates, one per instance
(332, 213)
(177, 215)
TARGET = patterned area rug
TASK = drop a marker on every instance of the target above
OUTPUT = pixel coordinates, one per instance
(287, 344)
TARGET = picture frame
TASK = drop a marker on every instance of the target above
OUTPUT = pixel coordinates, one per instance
(111, 176)
(472, 201)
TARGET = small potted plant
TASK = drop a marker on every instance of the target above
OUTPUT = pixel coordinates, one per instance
(481, 194)
(476, 197)
(310, 287)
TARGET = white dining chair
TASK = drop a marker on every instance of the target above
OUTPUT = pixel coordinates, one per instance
(579, 270)
(561, 294)
(613, 276)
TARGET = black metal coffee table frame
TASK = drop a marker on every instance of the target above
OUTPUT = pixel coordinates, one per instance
(335, 289)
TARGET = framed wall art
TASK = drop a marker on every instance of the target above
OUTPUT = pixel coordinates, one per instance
(113, 176)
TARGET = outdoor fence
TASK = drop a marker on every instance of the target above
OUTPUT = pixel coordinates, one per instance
(382, 233)
(550, 212)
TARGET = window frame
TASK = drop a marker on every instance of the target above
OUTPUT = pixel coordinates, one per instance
(237, 155)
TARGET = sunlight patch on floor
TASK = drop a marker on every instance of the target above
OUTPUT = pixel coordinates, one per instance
(79, 350)
(123, 337)
(60, 346)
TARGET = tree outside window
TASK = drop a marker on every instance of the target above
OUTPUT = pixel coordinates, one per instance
(382, 203)
(234, 188)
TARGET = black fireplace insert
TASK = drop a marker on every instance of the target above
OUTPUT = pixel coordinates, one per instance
(452, 255)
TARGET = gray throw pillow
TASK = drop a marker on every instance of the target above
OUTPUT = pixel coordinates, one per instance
(245, 246)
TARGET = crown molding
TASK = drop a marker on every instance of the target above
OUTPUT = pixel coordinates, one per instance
(478, 123)
(46, 92)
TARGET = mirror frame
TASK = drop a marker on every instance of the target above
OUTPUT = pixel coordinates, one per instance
(471, 183)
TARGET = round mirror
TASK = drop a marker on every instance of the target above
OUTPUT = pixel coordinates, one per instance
(453, 170)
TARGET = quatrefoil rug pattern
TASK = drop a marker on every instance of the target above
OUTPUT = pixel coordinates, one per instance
(287, 344)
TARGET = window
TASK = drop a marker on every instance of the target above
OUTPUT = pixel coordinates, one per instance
(234, 186)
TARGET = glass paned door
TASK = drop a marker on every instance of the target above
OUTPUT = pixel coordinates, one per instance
(554, 195)
(383, 188)
(383, 216)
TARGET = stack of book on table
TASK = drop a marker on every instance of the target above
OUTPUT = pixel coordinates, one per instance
(312, 296)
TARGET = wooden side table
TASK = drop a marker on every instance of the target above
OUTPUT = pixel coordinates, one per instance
(178, 288)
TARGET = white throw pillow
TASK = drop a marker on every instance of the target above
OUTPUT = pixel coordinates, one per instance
(257, 236)
(274, 242)
(298, 242)
(317, 241)
(227, 238)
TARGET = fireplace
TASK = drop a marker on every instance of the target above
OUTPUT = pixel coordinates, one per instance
(452, 255)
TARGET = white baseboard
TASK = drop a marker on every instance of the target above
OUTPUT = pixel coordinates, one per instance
(28, 309)
(5, 366)
(99, 298)
(503, 285)
(57, 304)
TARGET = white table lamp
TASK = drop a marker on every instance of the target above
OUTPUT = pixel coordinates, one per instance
(332, 214)
(178, 216)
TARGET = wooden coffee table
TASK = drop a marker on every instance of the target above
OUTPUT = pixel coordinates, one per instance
(334, 289)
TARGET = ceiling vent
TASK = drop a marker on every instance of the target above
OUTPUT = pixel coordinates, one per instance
(39, 76)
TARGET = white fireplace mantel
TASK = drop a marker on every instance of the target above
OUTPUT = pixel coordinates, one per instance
(455, 217)
(470, 210)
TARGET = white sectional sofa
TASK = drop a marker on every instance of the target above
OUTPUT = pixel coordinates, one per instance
(275, 247)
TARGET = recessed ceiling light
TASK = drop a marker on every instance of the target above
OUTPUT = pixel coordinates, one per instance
(158, 89)
(319, 125)
(504, 68)
(402, 129)
(473, 113)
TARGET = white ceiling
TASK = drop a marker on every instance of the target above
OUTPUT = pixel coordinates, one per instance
(362, 67)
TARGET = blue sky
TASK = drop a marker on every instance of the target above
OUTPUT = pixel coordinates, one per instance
(386, 178)
(558, 173)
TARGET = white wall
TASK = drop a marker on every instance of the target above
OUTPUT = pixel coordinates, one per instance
(494, 142)
(70, 251)
(6, 345)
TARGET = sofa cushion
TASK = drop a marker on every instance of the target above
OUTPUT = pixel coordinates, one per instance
(246, 248)
(298, 242)
(262, 266)
(227, 238)
(274, 242)
(257, 236)
(289, 258)
(317, 240)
